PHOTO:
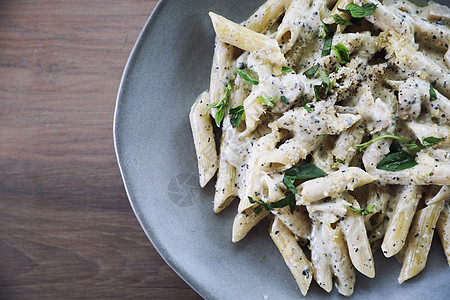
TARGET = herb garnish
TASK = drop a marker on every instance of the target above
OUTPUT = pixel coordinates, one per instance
(303, 172)
(286, 70)
(385, 136)
(247, 77)
(220, 105)
(338, 160)
(326, 32)
(433, 95)
(341, 21)
(341, 52)
(397, 161)
(357, 11)
(266, 102)
(289, 200)
(236, 113)
(308, 109)
(311, 71)
(360, 211)
(284, 100)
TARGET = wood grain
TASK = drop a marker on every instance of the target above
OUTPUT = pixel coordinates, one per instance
(66, 228)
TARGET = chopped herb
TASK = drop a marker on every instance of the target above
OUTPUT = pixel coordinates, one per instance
(360, 211)
(308, 109)
(289, 200)
(333, 83)
(414, 146)
(286, 70)
(317, 91)
(326, 80)
(431, 174)
(431, 141)
(220, 105)
(341, 21)
(426, 142)
(246, 76)
(357, 11)
(284, 100)
(339, 160)
(266, 102)
(303, 172)
(236, 113)
(257, 210)
(341, 52)
(311, 71)
(326, 32)
(397, 161)
(385, 136)
(326, 49)
(433, 95)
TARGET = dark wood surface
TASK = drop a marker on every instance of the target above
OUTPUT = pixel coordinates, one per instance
(66, 227)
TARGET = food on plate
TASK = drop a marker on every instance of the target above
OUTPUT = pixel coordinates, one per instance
(334, 119)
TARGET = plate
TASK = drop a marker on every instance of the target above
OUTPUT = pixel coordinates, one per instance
(168, 67)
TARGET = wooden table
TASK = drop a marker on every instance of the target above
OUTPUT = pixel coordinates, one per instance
(66, 227)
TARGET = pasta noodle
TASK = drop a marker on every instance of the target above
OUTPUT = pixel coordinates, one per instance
(334, 118)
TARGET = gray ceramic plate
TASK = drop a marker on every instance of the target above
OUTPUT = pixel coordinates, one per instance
(168, 68)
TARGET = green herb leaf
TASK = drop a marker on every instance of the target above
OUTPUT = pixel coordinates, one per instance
(247, 76)
(433, 95)
(286, 70)
(341, 52)
(360, 211)
(256, 210)
(385, 136)
(341, 21)
(220, 105)
(236, 113)
(339, 160)
(303, 172)
(326, 49)
(266, 102)
(289, 200)
(284, 100)
(430, 141)
(357, 11)
(397, 161)
(326, 80)
(311, 71)
(308, 109)
(345, 11)
(317, 91)
(414, 146)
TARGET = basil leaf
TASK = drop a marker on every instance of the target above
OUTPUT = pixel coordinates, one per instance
(326, 49)
(414, 146)
(266, 102)
(341, 21)
(430, 141)
(345, 11)
(308, 109)
(397, 161)
(286, 70)
(236, 113)
(433, 95)
(284, 100)
(385, 136)
(265, 205)
(326, 80)
(311, 71)
(317, 91)
(289, 200)
(246, 77)
(256, 210)
(361, 11)
(220, 105)
(341, 52)
(360, 211)
(303, 172)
